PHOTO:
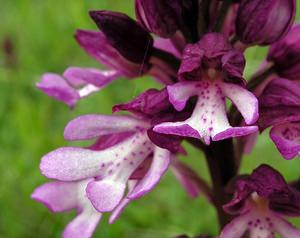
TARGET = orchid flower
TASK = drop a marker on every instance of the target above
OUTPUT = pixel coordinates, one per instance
(211, 70)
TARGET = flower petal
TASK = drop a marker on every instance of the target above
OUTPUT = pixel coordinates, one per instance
(233, 64)
(180, 93)
(287, 139)
(106, 141)
(191, 62)
(285, 229)
(159, 166)
(236, 228)
(55, 86)
(78, 76)
(57, 196)
(92, 126)
(84, 225)
(244, 100)
(150, 102)
(71, 163)
(235, 132)
(105, 195)
(123, 204)
(177, 128)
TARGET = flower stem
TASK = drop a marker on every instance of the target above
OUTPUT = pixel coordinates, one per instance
(222, 166)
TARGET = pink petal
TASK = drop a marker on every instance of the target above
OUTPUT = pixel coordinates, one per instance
(55, 86)
(244, 100)
(235, 132)
(79, 76)
(105, 195)
(180, 93)
(177, 128)
(159, 166)
(236, 228)
(83, 226)
(92, 126)
(70, 163)
(123, 204)
(285, 229)
(57, 196)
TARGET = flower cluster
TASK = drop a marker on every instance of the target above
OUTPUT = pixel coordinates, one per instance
(195, 50)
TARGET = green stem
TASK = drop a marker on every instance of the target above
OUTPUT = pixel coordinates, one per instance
(222, 166)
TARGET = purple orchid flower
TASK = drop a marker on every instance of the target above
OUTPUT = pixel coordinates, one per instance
(262, 200)
(258, 21)
(122, 56)
(112, 166)
(285, 54)
(211, 70)
(279, 106)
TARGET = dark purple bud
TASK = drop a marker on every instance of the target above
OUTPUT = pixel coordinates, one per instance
(124, 34)
(164, 18)
(264, 21)
(285, 54)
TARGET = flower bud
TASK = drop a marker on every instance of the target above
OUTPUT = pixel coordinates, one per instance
(124, 34)
(263, 22)
(285, 54)
(164, 18)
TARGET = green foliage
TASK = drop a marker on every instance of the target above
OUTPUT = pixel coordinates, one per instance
(31, 124)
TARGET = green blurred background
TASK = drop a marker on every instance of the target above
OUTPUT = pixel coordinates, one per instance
(31, 124)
